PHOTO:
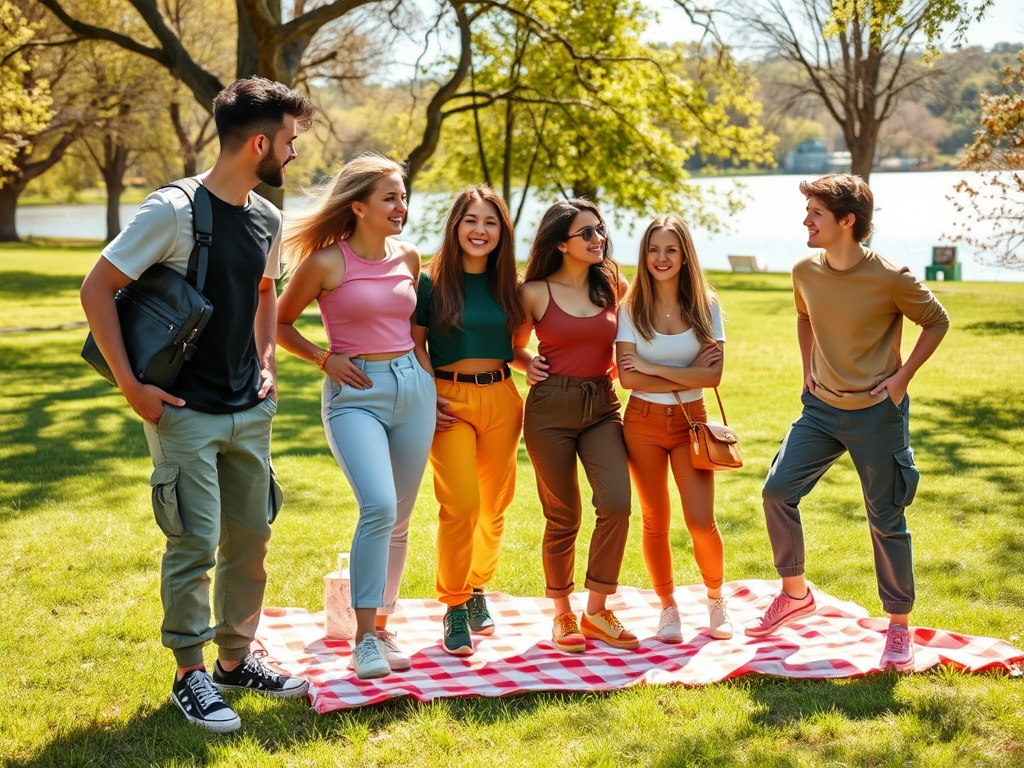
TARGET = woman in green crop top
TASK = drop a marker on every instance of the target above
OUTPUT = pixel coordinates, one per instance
(467, 309)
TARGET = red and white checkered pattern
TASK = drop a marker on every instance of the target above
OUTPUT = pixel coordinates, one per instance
(840, 640)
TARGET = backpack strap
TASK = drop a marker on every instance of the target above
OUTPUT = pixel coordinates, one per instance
(202, 228)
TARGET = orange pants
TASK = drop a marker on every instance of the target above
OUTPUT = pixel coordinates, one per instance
(658, 436)
(474, 465)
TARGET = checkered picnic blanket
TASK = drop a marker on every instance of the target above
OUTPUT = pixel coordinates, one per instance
(840, 640)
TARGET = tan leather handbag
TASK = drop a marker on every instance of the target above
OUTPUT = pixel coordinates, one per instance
(713, 446)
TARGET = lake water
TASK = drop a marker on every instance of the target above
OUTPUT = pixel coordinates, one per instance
(913, 215)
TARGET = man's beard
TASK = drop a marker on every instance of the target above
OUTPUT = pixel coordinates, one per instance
(270, 171)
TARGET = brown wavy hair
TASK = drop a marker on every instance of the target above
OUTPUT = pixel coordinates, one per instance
(545, 258)
(330, 217)
(695, 293)
(448, 293)
(843, 194)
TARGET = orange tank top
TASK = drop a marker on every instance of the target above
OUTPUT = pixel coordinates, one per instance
(580, 347)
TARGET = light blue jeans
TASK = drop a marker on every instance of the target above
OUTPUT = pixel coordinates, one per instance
(381, 439)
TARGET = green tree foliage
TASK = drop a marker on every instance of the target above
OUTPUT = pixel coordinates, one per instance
(995, 205)
(318, 40)
(560, 101)
(857, 58)
(70, 108)
(955, 95)
(24, 99)
(583, 58)
(288, 42)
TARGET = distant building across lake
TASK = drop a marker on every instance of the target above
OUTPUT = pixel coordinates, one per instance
(815, 157)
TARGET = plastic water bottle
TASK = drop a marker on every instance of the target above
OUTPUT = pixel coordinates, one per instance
(341, 619)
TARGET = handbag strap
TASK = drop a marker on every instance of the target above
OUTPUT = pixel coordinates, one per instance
(202, 228)
(721, 407)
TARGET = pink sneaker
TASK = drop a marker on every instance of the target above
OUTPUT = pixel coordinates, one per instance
(899, 650)
(781, 611)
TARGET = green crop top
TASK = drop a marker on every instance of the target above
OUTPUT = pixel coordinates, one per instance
(481, 333)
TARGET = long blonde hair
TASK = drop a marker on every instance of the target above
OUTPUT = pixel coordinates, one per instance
(695, 293)
(330, 217)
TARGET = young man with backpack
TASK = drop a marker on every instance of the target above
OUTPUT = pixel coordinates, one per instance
(214, 495)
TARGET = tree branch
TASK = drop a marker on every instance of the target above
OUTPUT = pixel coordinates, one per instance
(432, 133)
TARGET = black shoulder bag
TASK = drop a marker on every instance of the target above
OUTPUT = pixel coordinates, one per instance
(162, 313)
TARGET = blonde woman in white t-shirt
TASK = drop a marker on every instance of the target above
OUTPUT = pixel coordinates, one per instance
(669, 347)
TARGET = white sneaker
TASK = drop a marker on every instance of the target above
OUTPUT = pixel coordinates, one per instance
(718, 620)
(397, 658)
(669, 628)
(368, 658)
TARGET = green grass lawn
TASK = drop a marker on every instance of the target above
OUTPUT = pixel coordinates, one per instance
(85, 682)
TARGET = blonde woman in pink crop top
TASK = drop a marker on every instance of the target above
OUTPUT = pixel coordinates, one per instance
(570, 294)
(378, 402)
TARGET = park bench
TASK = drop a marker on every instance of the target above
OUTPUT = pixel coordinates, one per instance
(746, 264)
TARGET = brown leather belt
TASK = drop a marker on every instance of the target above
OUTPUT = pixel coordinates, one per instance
(481, 379)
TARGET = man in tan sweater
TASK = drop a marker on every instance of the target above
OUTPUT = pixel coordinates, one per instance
(850, 305)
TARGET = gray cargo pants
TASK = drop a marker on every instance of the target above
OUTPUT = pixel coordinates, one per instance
(878, 439)
(214, 497)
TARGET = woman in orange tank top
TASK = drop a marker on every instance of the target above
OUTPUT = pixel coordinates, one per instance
(570, 294)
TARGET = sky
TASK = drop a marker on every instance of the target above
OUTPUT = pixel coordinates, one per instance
(1003, 23)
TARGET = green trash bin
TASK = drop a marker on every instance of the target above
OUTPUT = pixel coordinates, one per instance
(943, 263)
(948, 272)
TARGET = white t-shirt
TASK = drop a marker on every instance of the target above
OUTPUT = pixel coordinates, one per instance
(161, 232)
(676, 350)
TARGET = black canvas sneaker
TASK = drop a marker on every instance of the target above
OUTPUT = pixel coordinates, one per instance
(253, 675)
(201, 703)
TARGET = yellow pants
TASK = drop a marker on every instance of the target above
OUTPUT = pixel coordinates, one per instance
(474, 465)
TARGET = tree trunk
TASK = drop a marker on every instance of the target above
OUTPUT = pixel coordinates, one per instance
(434, 117)
(13, 183)
(506, 167)
(9, 194)
(115, 162)
(862, 152)
(189, 149)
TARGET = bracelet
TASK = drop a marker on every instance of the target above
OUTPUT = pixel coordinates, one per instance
(320, 358)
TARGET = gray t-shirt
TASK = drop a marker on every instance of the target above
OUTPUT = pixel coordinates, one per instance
(161, 232)
(223, 375)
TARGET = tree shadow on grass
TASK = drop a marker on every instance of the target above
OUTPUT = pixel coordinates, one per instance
(950, 428)
(162, 737)
(996, 326)
(62, 426)
(786, 702)
(16, 286)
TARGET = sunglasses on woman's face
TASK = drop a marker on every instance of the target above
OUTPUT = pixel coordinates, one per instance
(587, 233)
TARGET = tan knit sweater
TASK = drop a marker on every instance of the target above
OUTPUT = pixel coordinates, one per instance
(856, 316)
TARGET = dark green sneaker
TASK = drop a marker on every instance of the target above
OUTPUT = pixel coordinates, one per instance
(457, 641)
(480, 621)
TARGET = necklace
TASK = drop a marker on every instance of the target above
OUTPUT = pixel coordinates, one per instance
(661, 309)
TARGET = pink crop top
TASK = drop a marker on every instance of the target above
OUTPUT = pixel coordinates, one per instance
(370, 311)
(580, 347)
